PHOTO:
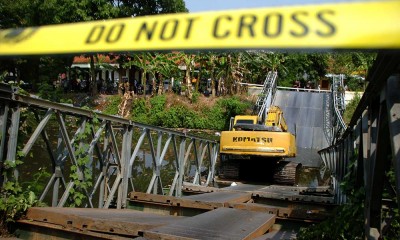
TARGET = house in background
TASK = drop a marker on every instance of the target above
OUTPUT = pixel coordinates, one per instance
(108, 72)
(106, 68)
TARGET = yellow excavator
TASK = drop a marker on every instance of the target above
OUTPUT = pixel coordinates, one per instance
(256, 146)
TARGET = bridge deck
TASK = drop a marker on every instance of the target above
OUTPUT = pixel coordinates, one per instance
(114, 221)
(221, 223)
(304, 115)
(284, 201)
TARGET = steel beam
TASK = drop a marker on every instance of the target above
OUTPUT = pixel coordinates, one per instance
(3, 129)
(37, 132)
(177, 170)
(393, 111)
(13, 137)
(125, 157)
(182, 159)
(377, 179)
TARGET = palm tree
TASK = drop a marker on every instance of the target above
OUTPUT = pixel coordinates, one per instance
(212, 64)
(260, 62)
(166, 67)
(209, 62)
(142, 61)
(230, 72)
(188, 61)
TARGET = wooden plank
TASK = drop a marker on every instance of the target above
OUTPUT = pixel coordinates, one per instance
(309, 213)
(173, 201)
(147, 197)
(28, 229)
(221, 223)
(114, 221)
(284, 230)
(188, 187)
(260, 201)
(244, 187)
(284, 194)
(221, 197)
(289, 193)
(207, 201)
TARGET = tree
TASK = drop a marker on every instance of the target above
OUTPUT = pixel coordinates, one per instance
(133, 8)
(27, 13)
(89, 10)
(141, 60)
(230, 69)
(167, 67)
(303, 67)
(211, 67)
(188, 62)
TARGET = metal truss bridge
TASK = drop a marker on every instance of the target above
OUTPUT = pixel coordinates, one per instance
(147, 168)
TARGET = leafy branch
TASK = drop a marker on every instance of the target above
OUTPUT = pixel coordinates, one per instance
(14, 199)
(81, 173)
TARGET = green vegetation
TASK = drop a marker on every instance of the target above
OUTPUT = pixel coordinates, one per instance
(14, 199)
(392, 214)
(347, 221)
(164, 111)
(111, 107)
(80, 173)
(350, 108)
(26, 13)
(46, 91)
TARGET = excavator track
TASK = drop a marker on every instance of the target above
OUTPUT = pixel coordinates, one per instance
(276, 171)
(286, 173)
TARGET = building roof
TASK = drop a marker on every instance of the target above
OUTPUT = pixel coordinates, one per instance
(102, 59)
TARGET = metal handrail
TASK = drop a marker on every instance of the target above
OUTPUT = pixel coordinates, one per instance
(266, 97)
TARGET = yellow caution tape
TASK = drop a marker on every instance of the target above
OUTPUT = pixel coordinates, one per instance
(360, 25)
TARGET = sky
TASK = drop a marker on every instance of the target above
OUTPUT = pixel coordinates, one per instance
(217, 5)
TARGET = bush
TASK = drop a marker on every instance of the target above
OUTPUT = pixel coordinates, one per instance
(140, 111)
(347, 220)
(47, 91)
(195, 97)
(111, 107)
(232, 106)
(14, 199)
(155, 111)
(350, 108)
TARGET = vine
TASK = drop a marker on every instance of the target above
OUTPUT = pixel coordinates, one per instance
(14, 199)
(81, 173)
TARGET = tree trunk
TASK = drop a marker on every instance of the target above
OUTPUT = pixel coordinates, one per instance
(144, 83)
(160, 85)
(198, 79)
(93, 82)
(30, 72)
(189, 85)
(212, 83)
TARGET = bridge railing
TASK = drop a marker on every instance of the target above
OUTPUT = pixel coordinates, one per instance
(104, 157)
(371, 143)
